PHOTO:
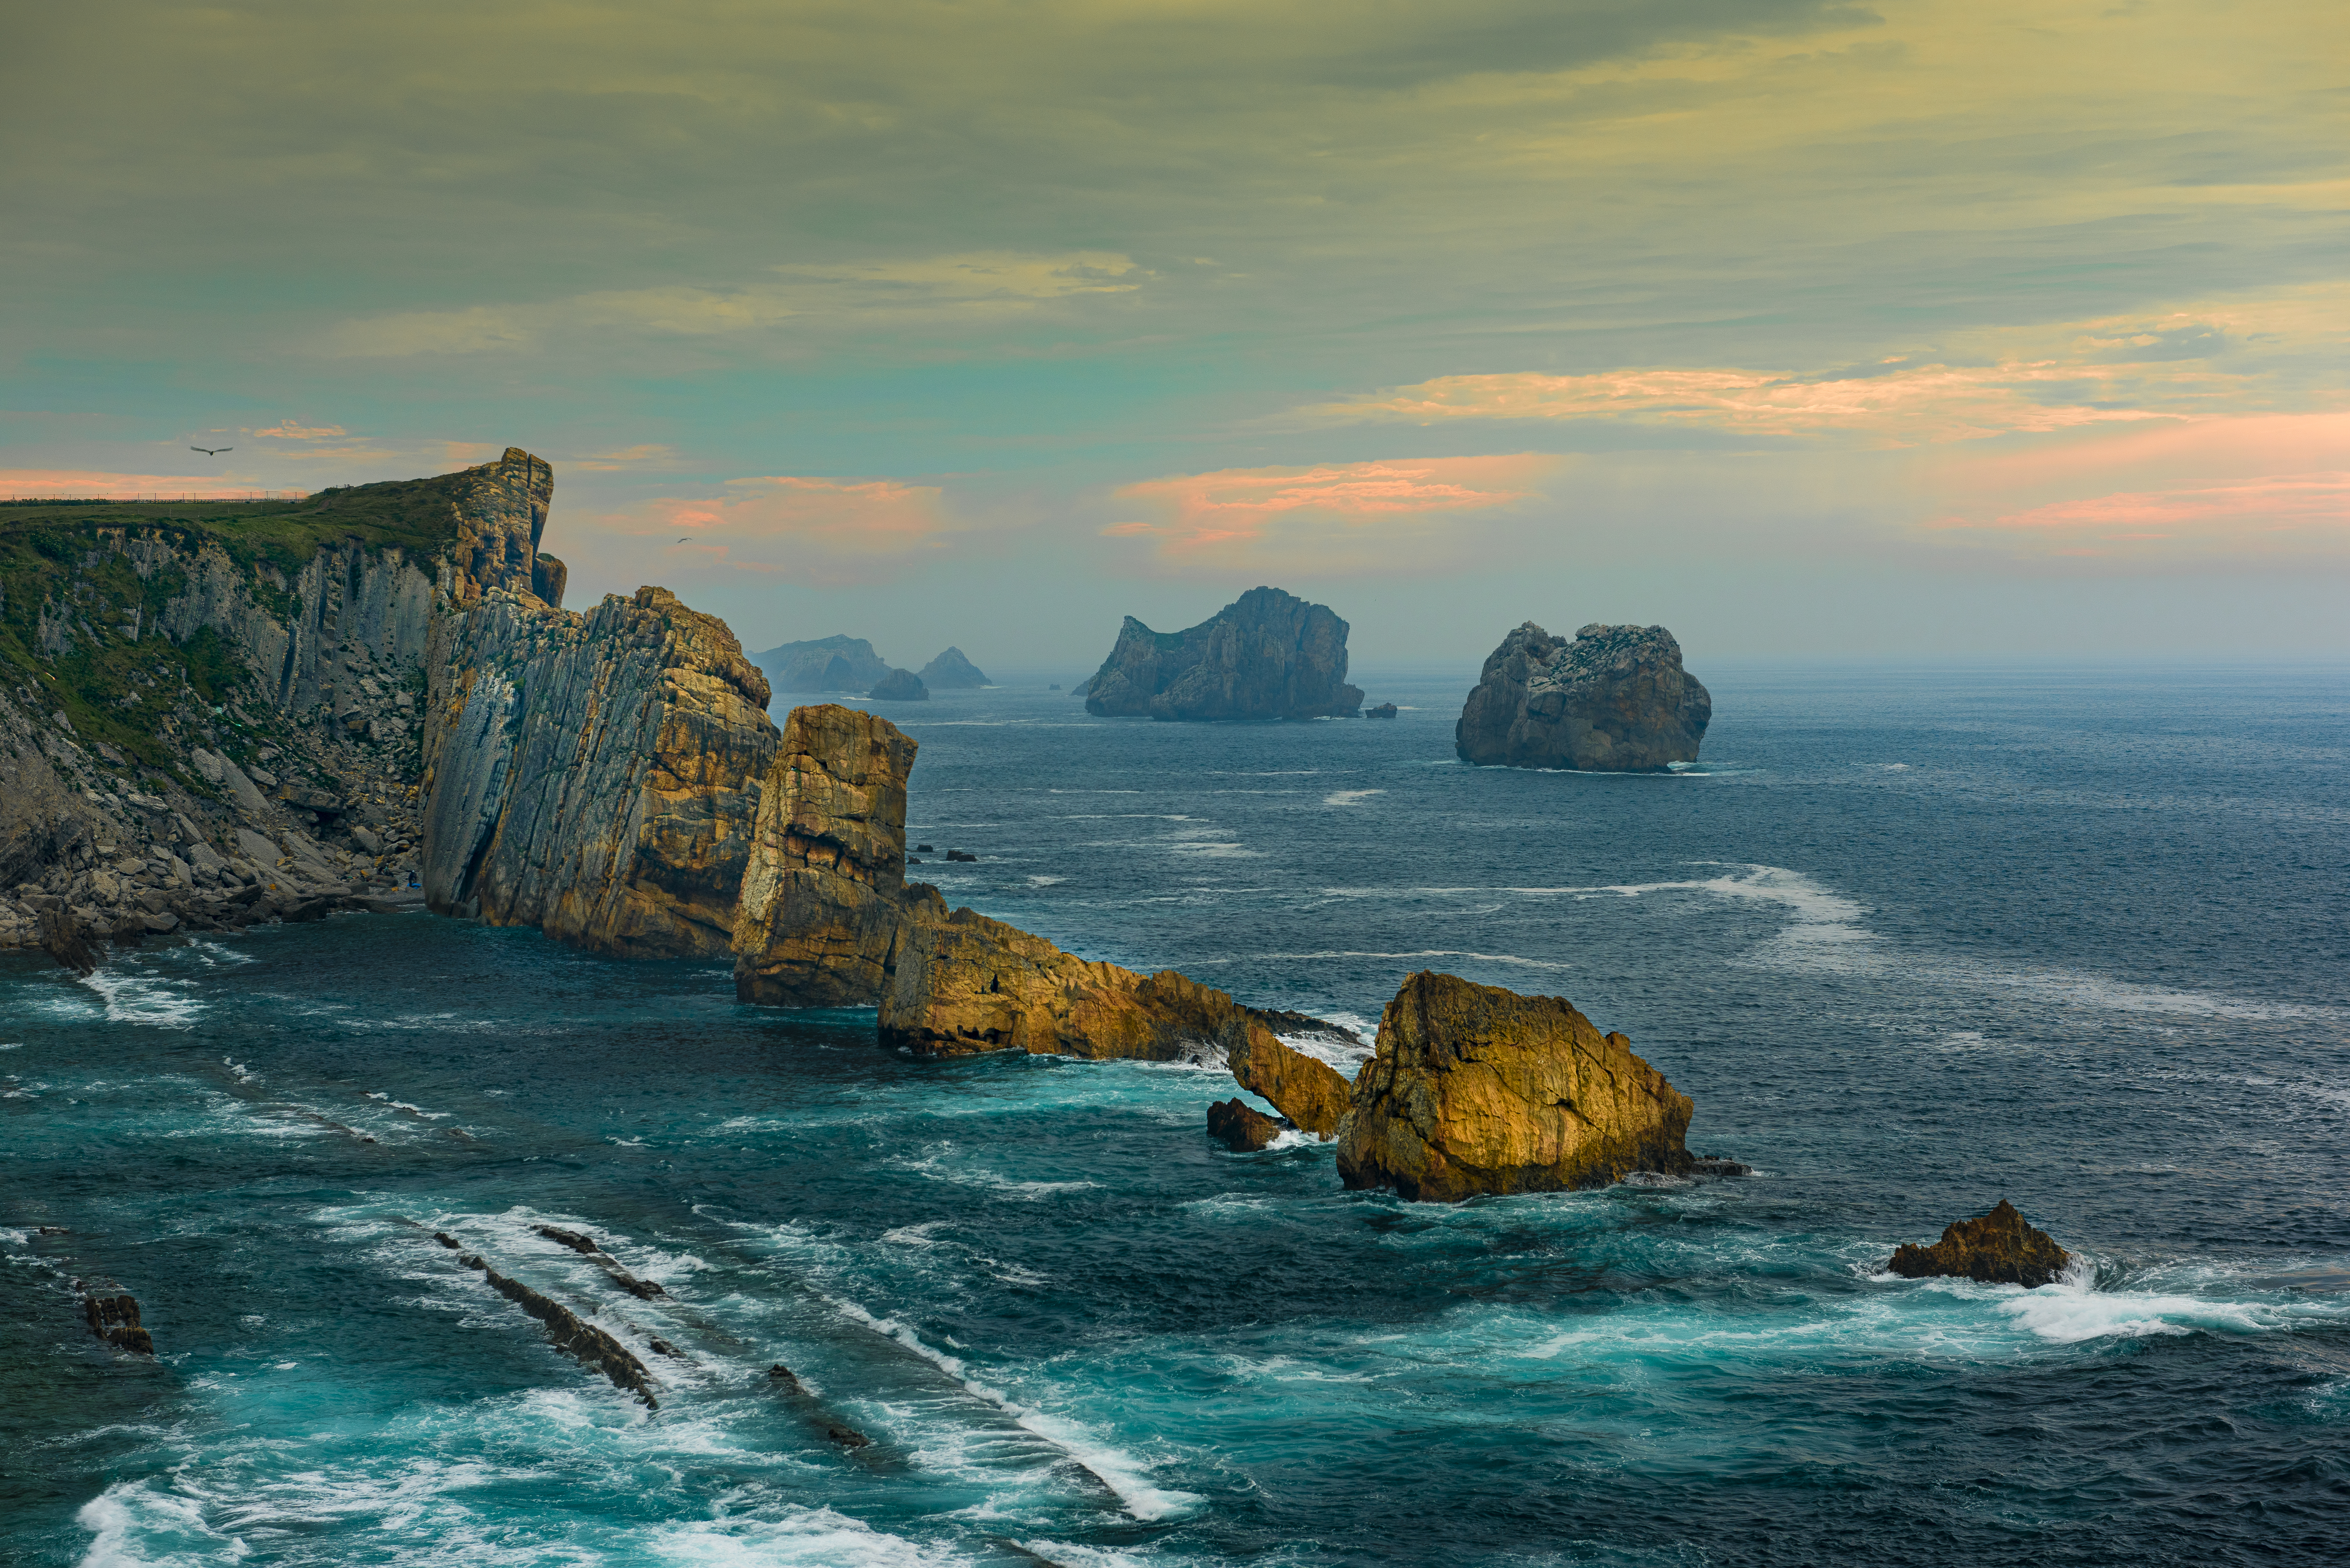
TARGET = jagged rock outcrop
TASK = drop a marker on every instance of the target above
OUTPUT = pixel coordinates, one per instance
(224, 729)
(950, 672)
(1996, 1249)
(1239, 1128)
(1478, 1089)
(899, 686)
(1384, 710)
(115, 1319)
(1612, 699)
(824, 896)
(822, 664)
(593, 776)
(1267, 655)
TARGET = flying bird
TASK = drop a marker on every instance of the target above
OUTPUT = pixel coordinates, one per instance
(212, 450)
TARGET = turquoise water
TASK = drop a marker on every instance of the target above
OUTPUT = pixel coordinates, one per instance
(1913, 942)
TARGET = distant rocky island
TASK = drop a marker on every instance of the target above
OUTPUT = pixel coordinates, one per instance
(849, 664)
(950, 672)
(1611, 699)
(1267, 655)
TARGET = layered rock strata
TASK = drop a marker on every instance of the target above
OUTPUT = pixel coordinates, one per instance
(825, 902)
(223, 725)
(1267, 655)
(1996, 1249)
(1477, 1089)
(1611, 699)
(593, 776)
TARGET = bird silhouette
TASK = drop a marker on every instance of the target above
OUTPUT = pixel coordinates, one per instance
(682, 538)
(212, 450)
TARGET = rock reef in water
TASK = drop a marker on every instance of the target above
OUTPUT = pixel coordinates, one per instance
(1239, 1128)
(1478, 1089)
(1996, 1249)
(593, 776)
(1612, 699)
(1268, 655)
(899, 686)
(822, 664)
(825, 902)
(950, 672)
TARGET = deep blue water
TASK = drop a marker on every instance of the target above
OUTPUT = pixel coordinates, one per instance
(1913, 941)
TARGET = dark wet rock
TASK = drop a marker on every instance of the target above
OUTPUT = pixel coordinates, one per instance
(899, 686)
(664, 1348)
(822, 664)
(1478, 1089)
(448, 1240)
(924, 849)
(52, 1231)
(571, 1239)
(785, 1380)
(1718, 1165)
(955, 854)
(585, 1340)
(1994, 1249)
(1611, 699)
(66, 937)
(115, 1319)
(849, 1437)
(1239, 1128)
(1384, 710)
(950, 672)
(1267, 655)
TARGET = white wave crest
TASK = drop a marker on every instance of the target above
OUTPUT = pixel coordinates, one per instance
(145, 999)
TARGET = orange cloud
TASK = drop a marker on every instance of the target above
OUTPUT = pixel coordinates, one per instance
(1393, 515)
(86, 484)
(831, 531)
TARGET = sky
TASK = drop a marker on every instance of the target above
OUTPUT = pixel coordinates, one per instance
(1925, 330)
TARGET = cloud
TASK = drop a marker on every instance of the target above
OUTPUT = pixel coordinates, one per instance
(83, 485)
(2295, 514)
(936, 291)
(626, 457)
(287, 429)
(1396, 514)
(829, 533)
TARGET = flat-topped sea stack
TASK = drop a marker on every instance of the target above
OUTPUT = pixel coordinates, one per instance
(1267, 655)
(1611, 699)
(1994, 1249)
(825, 900)
(1478, 1089)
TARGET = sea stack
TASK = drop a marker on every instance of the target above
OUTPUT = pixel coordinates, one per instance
(1267, 655)
(1478, 1089)
(950, 672)
(899, 686)
(1994, 1249)
(1611, 699)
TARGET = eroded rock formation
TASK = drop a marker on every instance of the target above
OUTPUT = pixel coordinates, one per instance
(1478, 1089)
(1267, 655)
(1239, 1128)
(1611, 699)
(593, 776)
(1996, 1249)
(823, 895)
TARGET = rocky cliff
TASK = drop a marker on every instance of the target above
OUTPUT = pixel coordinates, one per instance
(208, 715)
(593, 776)
(1267, 655)
(1611, 699)
(1478, 1089)
(824, 899)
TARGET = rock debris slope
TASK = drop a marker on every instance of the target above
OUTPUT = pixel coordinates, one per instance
(1267, 655)
(1611, 699)
(1478, 1089)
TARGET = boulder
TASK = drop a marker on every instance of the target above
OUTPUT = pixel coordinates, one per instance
(824, 897)
(1239, 1128)
(899, 686)
(1612, 699)
(950, 672)
(1996, 1249)
(1478, 1089)
(1267, 655)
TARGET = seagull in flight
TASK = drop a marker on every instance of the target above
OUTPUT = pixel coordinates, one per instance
(212, 450)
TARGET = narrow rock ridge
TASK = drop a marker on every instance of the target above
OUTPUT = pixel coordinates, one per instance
(1476, 1089)
(1611, 699)
(570, 1333)
(1267, 655)
(593, 775)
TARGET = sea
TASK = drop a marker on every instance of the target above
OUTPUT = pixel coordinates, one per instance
(1914, 939)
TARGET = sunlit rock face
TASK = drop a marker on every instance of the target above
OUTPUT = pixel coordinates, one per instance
(1267, 655)
(1611, 699)
(1477, 1089)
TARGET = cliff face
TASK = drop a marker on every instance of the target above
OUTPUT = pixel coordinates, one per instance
(1477, 1089)
(595, 776)
(1611, 699)
(1268, 655)
(215, 719)
(824, 888)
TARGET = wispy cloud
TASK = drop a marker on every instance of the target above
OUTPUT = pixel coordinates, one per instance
(645, 455)
(1353, 516)
(824, 532)
(83, 485)
(290, 429)
(977, 287)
